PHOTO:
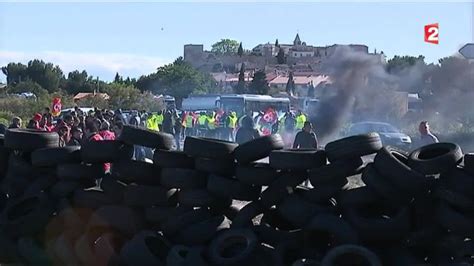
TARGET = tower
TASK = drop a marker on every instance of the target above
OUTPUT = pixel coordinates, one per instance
(297, 40)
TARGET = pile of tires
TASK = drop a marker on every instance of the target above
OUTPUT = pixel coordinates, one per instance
(217, 203)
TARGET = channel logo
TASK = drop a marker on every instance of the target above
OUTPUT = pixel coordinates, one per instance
(432, 33)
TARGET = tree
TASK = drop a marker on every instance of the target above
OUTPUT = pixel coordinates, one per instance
(259, 84)
(311, 90)
(118, 78)
(80, 82)
(46, 75)
(399, 63)
(240, 51)
(178, 79)
(15, 72)
(281, 56)
(290, 85)
(225, 47)
(240, 88)
(276, 43)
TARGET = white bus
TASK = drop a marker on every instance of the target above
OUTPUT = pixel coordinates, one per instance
(243, 103)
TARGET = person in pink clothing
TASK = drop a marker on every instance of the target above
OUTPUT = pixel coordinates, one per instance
(105, 132)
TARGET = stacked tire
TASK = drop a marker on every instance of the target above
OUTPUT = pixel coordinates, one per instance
(218, 203)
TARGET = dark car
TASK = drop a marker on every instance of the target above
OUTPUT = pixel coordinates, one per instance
(389, 134)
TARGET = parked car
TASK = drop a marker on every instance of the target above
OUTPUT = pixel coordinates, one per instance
(389, 134)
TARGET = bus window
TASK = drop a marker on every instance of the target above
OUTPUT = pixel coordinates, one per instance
(234, 105)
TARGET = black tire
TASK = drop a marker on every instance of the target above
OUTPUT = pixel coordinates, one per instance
(242, 243)
(349, 254)
(201, 233)
(274, 219)
(182, 178)
(19, 166)
(280, 188)
(54, 156)
(354, 146)
(41, 184)
(454, 220)
(4, 158)
(117, 218)
(147, 138)
(107, 248)
(469, 163)
(27, 216)
(377, 182)
(159, 215)
(334, 172)
(106, 151)
(177, 255)
(223, 167)
(297, 159)
(196, 198)
(63, 189)
(32, 253)
(147, 196)
(455, 199)
(208, 148)
(357, 197)
(257, 149)
(373, 223)
(114, 189)
(297, 211)
(14, 186)
(245, 216)
(257, 174)
(229, 187)
(338, 230)
(394, 165)
(80, 172)
(322, 193)
(136, 172)
(459, 181)
(28, 140)
(91, 199)
(176, 223)
(8, 249)
(435, 158)
(146, 249)
(172, 159)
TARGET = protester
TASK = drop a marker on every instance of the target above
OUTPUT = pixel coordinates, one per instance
(16, 123)
(168, 122)
(118, 127)
(177, 133)
(32, 124)
(426, 137)
(3, 128)
(247, 132)
(105, 132)
(76, 137)
(63, 132)
(306, 138)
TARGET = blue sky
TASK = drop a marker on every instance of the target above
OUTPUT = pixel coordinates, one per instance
(136, 38)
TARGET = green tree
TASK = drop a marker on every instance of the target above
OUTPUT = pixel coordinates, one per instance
(259, 84)
(15, 72)
(240, 51)
(399, 63)
(46, 75)
(118, 78)
(80, 82)
(276, 43)
(240, 88)
(281, 56)
(290, 85)
(178, 79)
(225, 47)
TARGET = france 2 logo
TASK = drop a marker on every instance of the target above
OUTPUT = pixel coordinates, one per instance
(432, 33)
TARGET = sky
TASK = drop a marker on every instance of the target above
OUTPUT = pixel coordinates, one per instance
(136, 38)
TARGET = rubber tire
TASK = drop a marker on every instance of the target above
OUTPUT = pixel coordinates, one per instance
(343, 250)
(146, 249)
(106, 151)
(280, 188)
(63, 189)
(8, 250)
(455, 199)
(147, 138)
(355, 197)
(177, 255)
(29, 140)
(114, 189)
(322, 193)
(257, 149)
(394, 164)
(334, 172)
(454, 220)
(202, 232)
(229, 187)
(54, 156)
(342, 231)
(245, 216)
(435, 158)
(117, 218)
(298, 212)
(182, 220)
(136, 172)
(80, 172)
(459, 181)
(27, 216)
(208, 148)
(196, 198)
(469, 163)
(354, 146)
(378, 183)
(172, 159)
(91, 199)
(257, 174)
(182, 178)
(226, 240)
(223, 167)
(297, 159)
(159, 215)
(147, 196)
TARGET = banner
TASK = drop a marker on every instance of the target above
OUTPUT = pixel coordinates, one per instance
(56, 110)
